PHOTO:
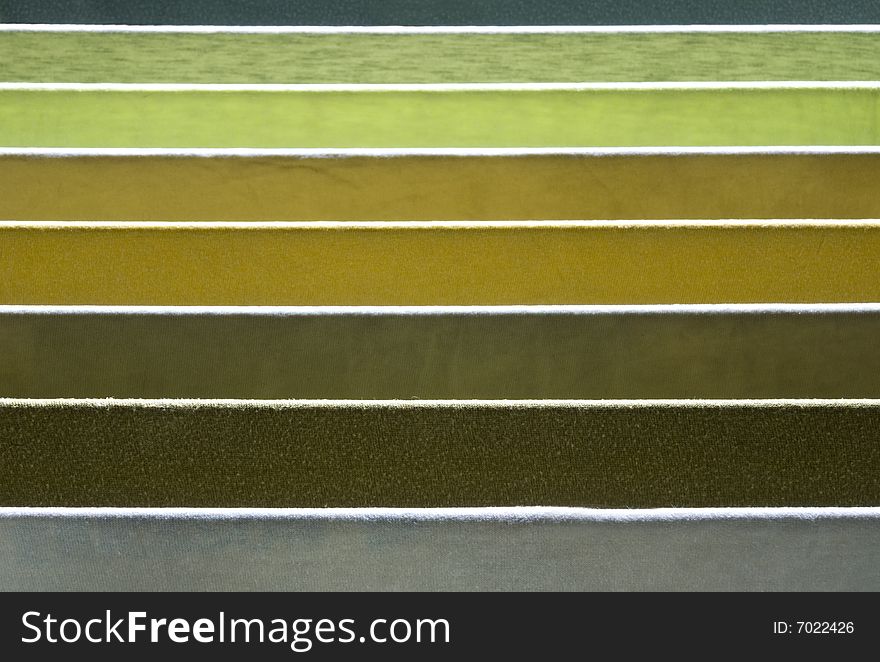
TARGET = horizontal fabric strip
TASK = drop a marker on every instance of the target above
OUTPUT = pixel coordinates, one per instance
(319, 453)
(414, 56)
(533, 549)
(431, 12)
(95, 185)
(477, 263)
(359, 117)
(827, 351)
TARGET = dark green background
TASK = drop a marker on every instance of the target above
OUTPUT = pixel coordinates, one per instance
(432, 12)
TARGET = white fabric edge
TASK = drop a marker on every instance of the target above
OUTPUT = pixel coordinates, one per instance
(453, 29)
(426, 311)
(439, 87)
(646, 403)
(378, 226)
(391, 152)
(534, 514)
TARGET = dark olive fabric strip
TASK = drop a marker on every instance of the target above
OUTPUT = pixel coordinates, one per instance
(624, 454)
(442, 353)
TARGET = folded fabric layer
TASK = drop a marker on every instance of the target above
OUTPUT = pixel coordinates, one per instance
(475, 263)
(129, 54)
(94, 185)
(319, 453)
(431, 12)
(532, 549)
(545, 115)
(439, 353)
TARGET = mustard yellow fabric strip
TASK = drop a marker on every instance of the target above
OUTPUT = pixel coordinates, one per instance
(412, 118)
(581, 185)
(425, 264)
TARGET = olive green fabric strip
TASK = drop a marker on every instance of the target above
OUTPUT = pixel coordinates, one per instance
(438, 263)
(474, 549)
(629, 454)
(391, 186)
(434, 12)
(413, 118)
(417, 57)
(485, 353)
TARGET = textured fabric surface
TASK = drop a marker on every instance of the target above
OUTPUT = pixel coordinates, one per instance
(478, 549)
(484, 353)
(438, 264)
(414, 57)
(434, 12)
(356, 117)
(506, 186)
(629, 454)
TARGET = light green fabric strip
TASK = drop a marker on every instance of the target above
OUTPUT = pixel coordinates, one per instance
(228, 57)
(458, 118)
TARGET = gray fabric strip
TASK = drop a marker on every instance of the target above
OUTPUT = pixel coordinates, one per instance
(475, 549)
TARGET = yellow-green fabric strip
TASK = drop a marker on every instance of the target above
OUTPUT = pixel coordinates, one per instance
(434, 264)
(683, 115)
(129, 55)
(387, 186)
